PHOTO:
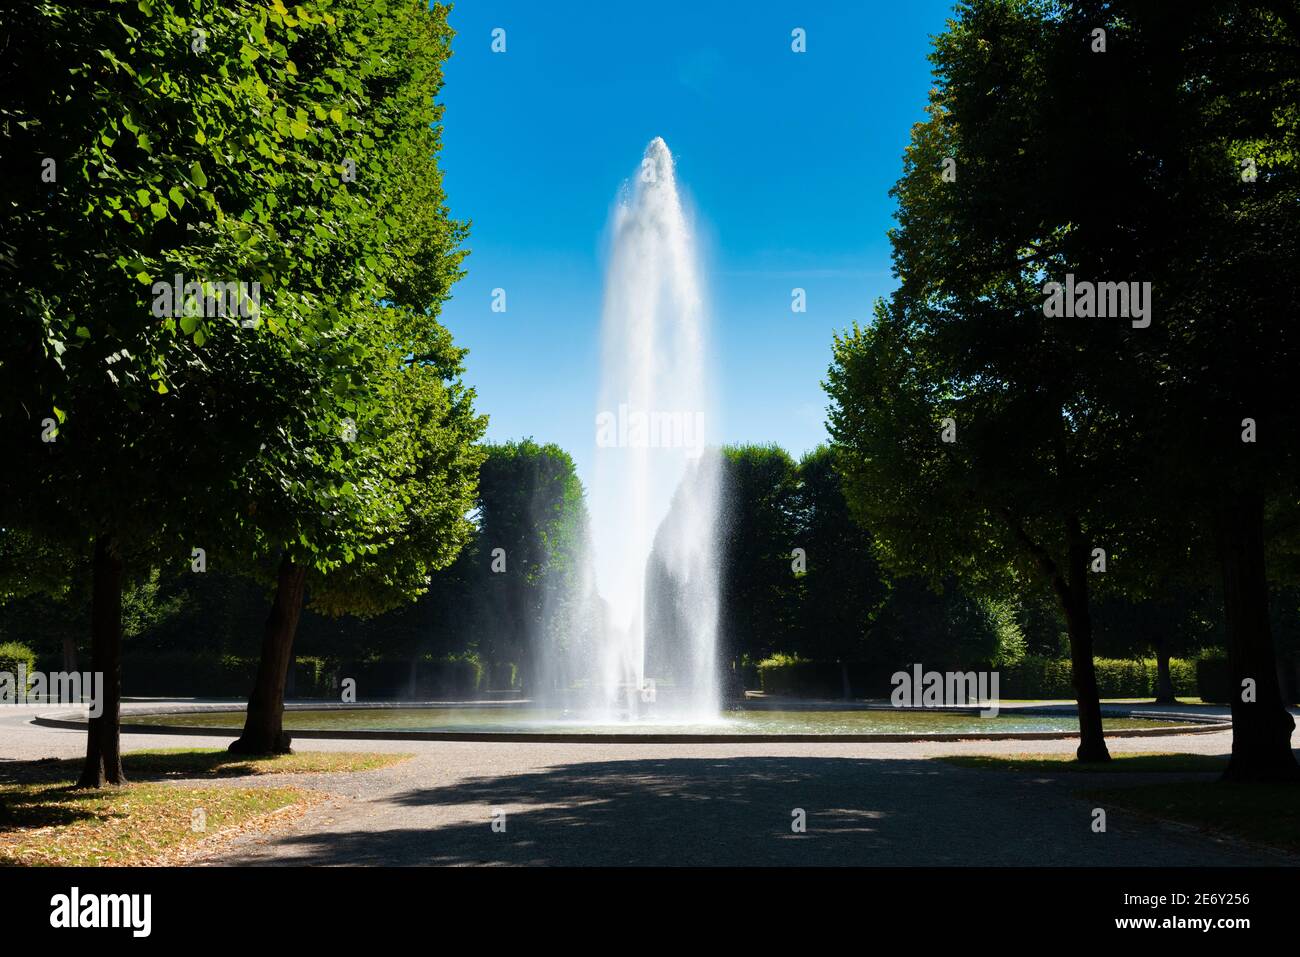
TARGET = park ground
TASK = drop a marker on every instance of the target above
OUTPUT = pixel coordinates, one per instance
(923, 804)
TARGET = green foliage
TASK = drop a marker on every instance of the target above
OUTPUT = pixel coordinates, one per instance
(779, 660)
(941, 628)
(14, 655)
(783, 674)
(1034, 677)
(1023, 487)
(533, 507)
(218, 143)
(147, 605)
(757, 529)
(1011, 644)
(843, 589)
(1214, 679)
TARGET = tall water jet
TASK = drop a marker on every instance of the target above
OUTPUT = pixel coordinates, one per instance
(651, 430)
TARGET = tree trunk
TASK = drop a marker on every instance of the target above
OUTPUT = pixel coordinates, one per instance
(1092, 740)
(1261, 729)
(264, 723)
(1164, 679)
(103, 739)
(70, 654)
(1072, 592)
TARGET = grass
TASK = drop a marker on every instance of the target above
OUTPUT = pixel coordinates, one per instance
(1138, 762)
(44, 821)
(51, 824)
(1266, 814)
(196, 762)
(1180, 699)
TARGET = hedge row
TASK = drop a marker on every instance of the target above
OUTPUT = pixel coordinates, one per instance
(174, 673)
(1034, 677)
(14, 655)
(1030, 677)
(168, 674)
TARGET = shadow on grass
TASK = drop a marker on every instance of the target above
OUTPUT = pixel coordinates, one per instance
(1158, 763)
(36, 794)
(1264, 814)
(139, 767)
(46, 805)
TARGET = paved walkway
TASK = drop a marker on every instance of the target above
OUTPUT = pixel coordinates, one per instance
(719, 804)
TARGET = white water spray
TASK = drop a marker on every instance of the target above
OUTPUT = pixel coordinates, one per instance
(654, 411)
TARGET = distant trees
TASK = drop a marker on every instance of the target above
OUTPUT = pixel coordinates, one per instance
(841, 589)
(801, 578)
(757, 531)
(530, 583)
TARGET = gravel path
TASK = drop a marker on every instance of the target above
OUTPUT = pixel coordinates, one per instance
(718, 804)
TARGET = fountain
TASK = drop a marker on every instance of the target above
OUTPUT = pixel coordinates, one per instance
(654, 406)
(627, 643)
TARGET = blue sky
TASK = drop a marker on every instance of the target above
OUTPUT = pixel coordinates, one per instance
(786, 160)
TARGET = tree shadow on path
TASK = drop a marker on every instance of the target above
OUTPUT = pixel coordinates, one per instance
(741, 811)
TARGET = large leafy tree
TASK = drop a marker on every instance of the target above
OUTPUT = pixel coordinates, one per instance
(1073, 434)
(1205, 192)
(365, 519)
(972, 439)
(120, 420)
(363, 489)
(222, 143)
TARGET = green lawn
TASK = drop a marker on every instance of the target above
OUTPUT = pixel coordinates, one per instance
(1267, 814)
(1057, 763)
(44, 821)
(205, 762)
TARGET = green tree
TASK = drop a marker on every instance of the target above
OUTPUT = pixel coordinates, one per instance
(757, 528)
(528, 572)
(1121, 427)
(842, 587)
(369, 516)
(972, 441)
(1204, 194)
(117, 417)
(237, 143)
(364, 488)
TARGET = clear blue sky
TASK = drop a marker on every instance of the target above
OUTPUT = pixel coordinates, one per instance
(786, 159)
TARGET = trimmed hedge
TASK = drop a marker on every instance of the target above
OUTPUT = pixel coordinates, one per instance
(452, 677)
(1034, 677)
(786, 675)
(1214, 678)
(1031, 677)
(14, 655)
(801, 678)
(168, 674)
(176, 673)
